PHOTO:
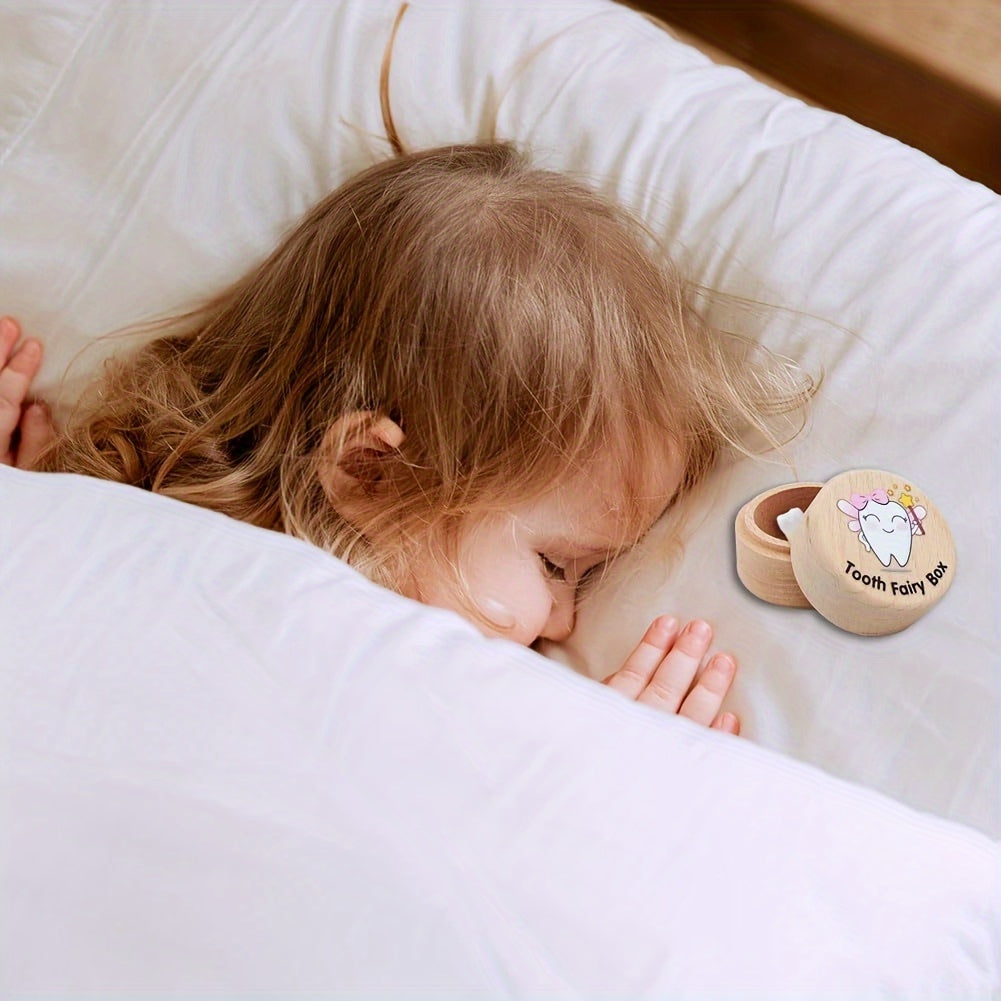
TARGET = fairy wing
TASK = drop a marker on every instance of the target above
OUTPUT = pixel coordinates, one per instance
(846, 507)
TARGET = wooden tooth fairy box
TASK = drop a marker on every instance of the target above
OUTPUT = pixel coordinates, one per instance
(867, 549)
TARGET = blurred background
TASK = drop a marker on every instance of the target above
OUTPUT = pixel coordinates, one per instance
(927, 72)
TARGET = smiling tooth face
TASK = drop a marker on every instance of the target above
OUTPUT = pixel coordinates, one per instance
(887, 529)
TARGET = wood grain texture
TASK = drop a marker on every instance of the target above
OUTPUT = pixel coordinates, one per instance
(928, 74)
(955, 39)
(873, 553)
(764, 563)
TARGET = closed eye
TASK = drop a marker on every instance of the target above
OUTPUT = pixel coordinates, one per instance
(567, 574)
(553, 570)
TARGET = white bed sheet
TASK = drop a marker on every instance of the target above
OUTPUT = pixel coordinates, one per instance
(149, 153)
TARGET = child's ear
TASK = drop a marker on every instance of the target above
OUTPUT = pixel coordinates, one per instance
(354, 453)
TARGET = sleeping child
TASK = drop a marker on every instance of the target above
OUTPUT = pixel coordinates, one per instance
(474, 380)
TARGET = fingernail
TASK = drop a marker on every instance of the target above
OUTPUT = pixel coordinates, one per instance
(700, 629)
(32, 348)
(7, 324)
(667, 623)
(724, 663)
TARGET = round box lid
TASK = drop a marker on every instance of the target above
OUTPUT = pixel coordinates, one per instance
(872, 553)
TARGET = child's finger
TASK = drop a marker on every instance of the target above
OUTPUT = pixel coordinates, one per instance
(728, 723)
(10, 331)
(16, 375)
(36, 433)
(673, 678)
(703, 703)
(633, 677)
(17, 369)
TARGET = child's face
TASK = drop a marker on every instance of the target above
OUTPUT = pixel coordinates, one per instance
(522, 568)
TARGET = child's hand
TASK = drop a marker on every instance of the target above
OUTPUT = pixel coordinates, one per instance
(665, 671)
(25, 428)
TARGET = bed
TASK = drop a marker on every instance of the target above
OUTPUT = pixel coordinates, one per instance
(232, 766)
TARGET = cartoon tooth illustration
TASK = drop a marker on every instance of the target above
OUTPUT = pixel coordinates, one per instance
(884, 526)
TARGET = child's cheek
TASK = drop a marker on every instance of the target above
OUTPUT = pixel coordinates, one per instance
(500, 614)
(520, 607)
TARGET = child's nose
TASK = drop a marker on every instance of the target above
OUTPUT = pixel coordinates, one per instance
(561, 618)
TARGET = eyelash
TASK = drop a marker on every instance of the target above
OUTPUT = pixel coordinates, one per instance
(555, 572)
(552, 569)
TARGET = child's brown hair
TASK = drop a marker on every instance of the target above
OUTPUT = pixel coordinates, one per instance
(510, 320)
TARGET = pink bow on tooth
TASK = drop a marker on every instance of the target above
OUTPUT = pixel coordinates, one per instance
(859, 501)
